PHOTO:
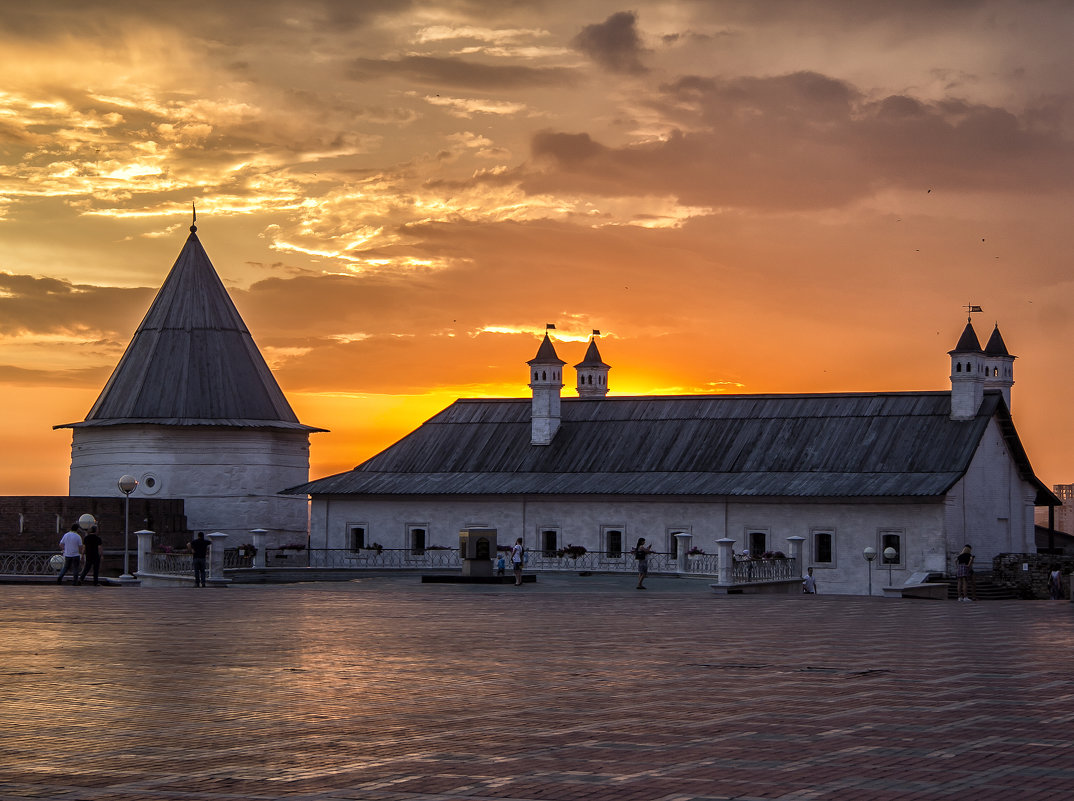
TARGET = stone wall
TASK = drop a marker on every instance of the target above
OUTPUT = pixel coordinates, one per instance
(36, 522)
(1032, 581)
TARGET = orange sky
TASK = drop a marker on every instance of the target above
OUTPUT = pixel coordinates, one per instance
(743, 196)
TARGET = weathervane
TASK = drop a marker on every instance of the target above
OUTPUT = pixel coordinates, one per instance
(970, 309)
(194, 228)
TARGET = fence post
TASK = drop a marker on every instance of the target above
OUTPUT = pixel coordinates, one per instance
(682, 556)
(216, 557)
(145, 548)
(259, 546)
(725, 569)
(796, 553)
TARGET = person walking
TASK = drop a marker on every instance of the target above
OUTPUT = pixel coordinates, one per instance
(518, 556)
(71, 542)
(200, 547)
(641, 554)
(809, 584)
(964, 574)
(94, 548)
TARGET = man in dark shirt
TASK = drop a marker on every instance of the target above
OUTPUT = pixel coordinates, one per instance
(94, 549)
(200, 547)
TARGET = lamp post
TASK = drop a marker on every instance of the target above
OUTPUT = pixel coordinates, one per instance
(127, 485)
(870, 555)
(890, 554)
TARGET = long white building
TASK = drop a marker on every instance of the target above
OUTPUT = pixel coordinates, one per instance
(921, 472)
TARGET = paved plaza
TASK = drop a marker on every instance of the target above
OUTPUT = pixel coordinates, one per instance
(386, 689)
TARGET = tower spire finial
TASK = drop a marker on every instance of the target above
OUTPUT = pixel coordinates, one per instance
(970, 309)
(194, 209)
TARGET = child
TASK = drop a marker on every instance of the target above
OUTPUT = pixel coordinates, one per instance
(501, 565)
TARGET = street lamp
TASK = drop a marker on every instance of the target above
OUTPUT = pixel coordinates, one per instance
(890, 554)
(870, 555)
(127, 485)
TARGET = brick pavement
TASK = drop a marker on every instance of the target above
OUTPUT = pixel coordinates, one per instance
(385, 689)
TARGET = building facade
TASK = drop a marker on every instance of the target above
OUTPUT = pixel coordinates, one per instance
(920, 472)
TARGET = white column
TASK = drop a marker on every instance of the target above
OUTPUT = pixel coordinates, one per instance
(796, 552)
(682, 558)
(145, 548)
(259, 545)
(216, 555)
(725, 548)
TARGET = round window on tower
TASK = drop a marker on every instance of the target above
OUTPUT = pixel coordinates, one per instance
(150, 484)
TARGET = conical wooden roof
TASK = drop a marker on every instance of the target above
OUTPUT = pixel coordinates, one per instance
(192, 361)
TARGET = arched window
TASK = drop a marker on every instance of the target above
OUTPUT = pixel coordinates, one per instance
(544, 375)
(958, 367)
(535, 375)
(591, 380)
(995, 371)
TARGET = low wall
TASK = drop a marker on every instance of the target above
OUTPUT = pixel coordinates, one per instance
(1028, 573)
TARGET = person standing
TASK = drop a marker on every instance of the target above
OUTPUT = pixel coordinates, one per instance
(1055, 584)
(809, 584)
(94, 547)
(641, 554)
(964, 573)
(71, 542)
(200, 548)
(518, 556)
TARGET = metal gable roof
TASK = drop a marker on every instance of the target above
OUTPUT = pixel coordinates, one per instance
(819, 446)
(192, 361)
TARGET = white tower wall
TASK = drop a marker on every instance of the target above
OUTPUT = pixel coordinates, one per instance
(227, 477)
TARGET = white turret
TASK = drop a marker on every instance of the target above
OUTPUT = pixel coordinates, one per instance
(546, 381)
(998, 366)
(967, 375)
(592, 372)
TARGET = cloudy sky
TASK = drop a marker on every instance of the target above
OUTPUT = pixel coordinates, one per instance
(742, 195)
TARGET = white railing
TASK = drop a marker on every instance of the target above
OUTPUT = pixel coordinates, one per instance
(171, 564)
(27, 563)
(748, 571)
(703, 564)
(381, 558)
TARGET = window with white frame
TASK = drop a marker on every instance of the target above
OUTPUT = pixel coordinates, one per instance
(549, 541)
(356, 536)
(757, 541)
(417, 536)
(891, 538)
(612, 538)
(673, 541)
(822, 547)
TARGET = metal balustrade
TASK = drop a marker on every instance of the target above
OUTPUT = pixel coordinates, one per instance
(171, 564)
(749, 571)
(746, 571)
(27, 563)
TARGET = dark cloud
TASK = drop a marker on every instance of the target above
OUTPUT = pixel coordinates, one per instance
(807, 140)
(459, 73)
(84, 378)
(614, 43)
(36, 305)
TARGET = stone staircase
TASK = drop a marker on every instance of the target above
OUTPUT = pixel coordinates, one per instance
(987, 589)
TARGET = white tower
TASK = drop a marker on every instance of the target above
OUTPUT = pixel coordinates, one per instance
(998, 366)
(592, 372)
(193, 412)
(546, 381)
(967, 375)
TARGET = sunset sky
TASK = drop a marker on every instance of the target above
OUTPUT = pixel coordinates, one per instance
(743, 196)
